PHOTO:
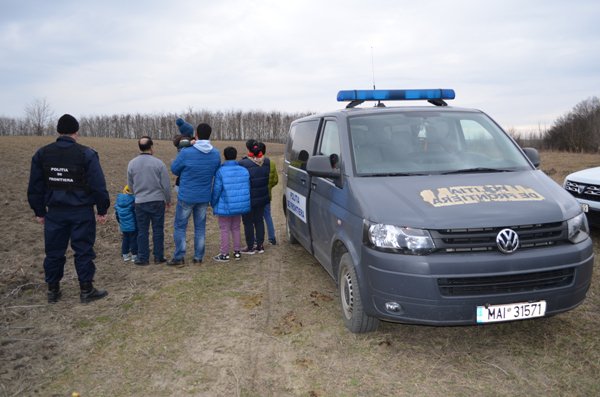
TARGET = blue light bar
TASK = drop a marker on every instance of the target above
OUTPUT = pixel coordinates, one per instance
(395, 95)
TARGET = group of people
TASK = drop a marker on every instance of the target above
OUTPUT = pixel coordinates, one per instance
(67, 181)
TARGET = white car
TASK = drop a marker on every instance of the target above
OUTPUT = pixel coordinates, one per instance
(584, 185)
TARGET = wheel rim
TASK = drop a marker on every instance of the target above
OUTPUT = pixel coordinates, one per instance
(347, 294)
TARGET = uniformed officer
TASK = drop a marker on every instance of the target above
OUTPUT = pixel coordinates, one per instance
(65, 183)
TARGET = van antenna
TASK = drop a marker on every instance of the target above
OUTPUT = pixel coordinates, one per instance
(373, 67)
(379, 104)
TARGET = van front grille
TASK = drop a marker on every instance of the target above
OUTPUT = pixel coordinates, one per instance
(484, 239)
(507, 284)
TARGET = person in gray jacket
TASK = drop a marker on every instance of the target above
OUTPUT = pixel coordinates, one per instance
(148, 178)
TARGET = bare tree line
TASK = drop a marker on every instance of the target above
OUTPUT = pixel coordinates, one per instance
(576, 131)
(229, 125)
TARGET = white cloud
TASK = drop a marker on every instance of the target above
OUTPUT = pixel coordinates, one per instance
(523, 62)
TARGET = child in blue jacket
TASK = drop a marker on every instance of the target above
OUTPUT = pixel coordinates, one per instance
(230, 199)
(125, 213)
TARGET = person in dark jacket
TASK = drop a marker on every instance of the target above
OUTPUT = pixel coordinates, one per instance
(65, 183)
(259, 169)
(230, 199)
(125, 213)
(196, 167)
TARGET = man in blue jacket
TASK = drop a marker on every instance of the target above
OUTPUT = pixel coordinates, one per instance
(196, 167)
(65, 183)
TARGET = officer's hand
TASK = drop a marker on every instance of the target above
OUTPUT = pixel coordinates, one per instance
(40, 219)
(101, 219)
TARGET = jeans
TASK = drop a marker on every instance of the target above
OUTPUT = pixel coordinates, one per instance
(129, 243)
(230, 225)
(182, 215)
(254, 223)
(146, 213)
(269, 223)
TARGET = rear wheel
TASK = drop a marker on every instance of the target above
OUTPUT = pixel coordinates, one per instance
(355, 319)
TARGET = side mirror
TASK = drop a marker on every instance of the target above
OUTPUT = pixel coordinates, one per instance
(533, 156)
(322, 166)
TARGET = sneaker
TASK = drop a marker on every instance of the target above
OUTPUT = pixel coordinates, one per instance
(197, 261)
(237, 255)
(134, 258)
(141, 263)
(273, 241)
(176, 262)
(222, 258)
(248, 251)
(160, 260)
(260, 249)
(126, 257)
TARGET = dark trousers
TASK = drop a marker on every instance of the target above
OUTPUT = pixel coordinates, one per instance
(129, 243)
(254, 226)
(146, 213)
(77, 224)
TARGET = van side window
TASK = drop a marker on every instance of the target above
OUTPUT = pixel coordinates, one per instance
(301, 143)
(478, 139)
(330, 141)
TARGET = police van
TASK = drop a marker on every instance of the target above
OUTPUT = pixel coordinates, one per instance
(431, 214)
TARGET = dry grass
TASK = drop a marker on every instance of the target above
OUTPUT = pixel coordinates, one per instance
(268, 325)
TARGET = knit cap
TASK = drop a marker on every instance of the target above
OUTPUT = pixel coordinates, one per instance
(185, 128)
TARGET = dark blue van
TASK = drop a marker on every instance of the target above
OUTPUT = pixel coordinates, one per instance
(431, 215)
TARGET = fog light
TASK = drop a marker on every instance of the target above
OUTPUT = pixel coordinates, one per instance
(393, 307)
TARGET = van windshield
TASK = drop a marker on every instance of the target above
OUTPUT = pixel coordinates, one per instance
(412, 142)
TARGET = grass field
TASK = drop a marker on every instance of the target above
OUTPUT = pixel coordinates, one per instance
(268, 325)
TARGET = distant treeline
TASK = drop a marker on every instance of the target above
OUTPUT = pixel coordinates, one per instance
(230, 125)
(576, 131)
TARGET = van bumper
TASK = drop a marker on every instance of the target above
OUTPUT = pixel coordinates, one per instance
(425, 286)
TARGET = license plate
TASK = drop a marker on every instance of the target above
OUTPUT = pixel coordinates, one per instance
(510, 312)
(585, 207)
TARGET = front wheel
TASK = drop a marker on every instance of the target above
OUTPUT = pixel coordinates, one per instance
(288, 232)
(355, 319)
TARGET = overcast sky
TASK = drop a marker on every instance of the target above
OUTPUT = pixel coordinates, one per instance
(523, 62)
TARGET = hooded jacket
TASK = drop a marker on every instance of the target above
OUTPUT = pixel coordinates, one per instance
(231, 191)
(259, 169)
(196, 167)
(125, 211)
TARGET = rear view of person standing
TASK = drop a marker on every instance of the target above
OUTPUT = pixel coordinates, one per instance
(65, 183)
(148, 178)
(125, 214)
(230, 199)
(195, 166)
(254, 227)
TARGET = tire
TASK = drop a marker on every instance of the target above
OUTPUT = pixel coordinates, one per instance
(353, 314)
(288, 232)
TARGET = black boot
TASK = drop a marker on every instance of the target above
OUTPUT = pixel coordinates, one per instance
(89, 293)
(54, 293)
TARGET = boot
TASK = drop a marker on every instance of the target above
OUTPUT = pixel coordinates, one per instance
(89, 293)
(54, 293)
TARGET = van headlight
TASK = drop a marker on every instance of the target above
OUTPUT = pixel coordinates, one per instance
(578, 228)
(403, 240)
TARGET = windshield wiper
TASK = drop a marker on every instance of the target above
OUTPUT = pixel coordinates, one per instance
(393, 174)
(476, 170)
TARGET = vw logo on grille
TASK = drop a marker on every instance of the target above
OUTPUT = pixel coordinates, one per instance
(507, 241)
